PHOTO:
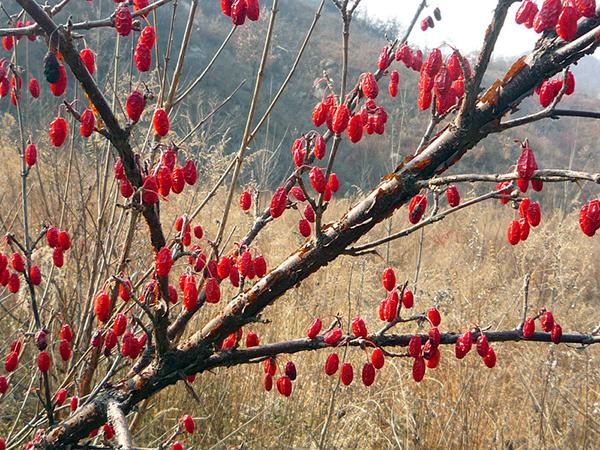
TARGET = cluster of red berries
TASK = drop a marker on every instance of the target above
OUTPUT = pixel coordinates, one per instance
(530, 216)
(553, 14)
(14, 85)
(465, 343)
(445, 80)
(428, 22)
(8, 42)
(284, 382)
(239, 10)
(167, 175)
(549, 89)
(548, 323)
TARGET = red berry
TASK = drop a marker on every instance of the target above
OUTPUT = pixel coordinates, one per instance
(284, 386)
(58, 257)
(453, 196)
(547, 321)
(534, 214)
(391, 306)
(148, 37)
(482, 345)
(123, 21)
(314, 329)
(190, 294)
(514, 232)
(378, 358)
(434, 316)
(434, 336)
(368, 374)
(8, 42)
(355, 128)
(150, 190)
(88, 122)
(64, 348)
(566, 26)
(60, 397)
(17, 262)
(164, 262)
(268, 381)
(35, 275)
(142, 57)
(66, 332)
(140, 4)
(418, 370)
(389, 279)
(433, 62)
(524, 12)
(108, 431)
(526, 165)
(58, 131)
(74, 403)
(332, 336)
(359, 328)
(408, 299)
(334, 182)
(346, 373)
(340, 119)
(416, 208)
(88, 59)
(245, 200)
(319, 114)
(434, 358)
(556, 333)
(120, 324)
(279, 202)
(260, 266)
(188, 423)
(587, 8)
(239, 10)
(384, 59)
(304, 227)
(290, 370)
(490, 358)
(34, 88)
(253, 9)
(102, 305)
(414, 346)
(549, 13)
(135, 105)
(213, 291)
(309, 213)
(13, 283)
(252, 339)
(160, 120)
(369, 86)
(31, 155)
(320, 147)
(43, 361)
(12, 360)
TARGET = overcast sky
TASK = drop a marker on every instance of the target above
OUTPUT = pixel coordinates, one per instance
(463, 24)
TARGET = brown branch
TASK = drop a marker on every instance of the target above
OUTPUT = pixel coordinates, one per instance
(117, 419)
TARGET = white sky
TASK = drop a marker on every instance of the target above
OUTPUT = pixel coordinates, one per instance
(463, 24)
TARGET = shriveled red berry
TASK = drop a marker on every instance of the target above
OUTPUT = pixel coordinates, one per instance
(284, 385)
(148, 36)
(160, 121)
(320, 147)
(418, 370)
(309, 213)
(278, 203)
(142, 57)
(319, 114)
(267, 381)
(43, 361)
(433, 62)
(534, 214)
(58, 257)
(58, 131)
(34, 88)
(389, 279)
(587, 8)
(31, 155)
(13, 283)
(123, 21)
(414, 346)
(88, 59)
(514, 232)
(239, 10)
(416, 208)
(213, 291)
(290, 370)
(355, 128)
(88, 122)
(60, 397)
(368, 374)
(332, 336)
(556, 333)
(64, 348)
(359, 328)
(12, 360)
(566, 27)
(369, 85)
(252, 339)
(17, 262)
(164, 262)
(140, 4)
(526, 165)
(453, 196)
(434, 336)
(35, 275)
(74, 403)
(340, 119)
(304, 227)
(135, 105)
(346, 373)
(482, 345)
(390, 307)
(547, 321)
(66, 332)
(190, 294)
(384, 58)
(524, 12)
(245, 200)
